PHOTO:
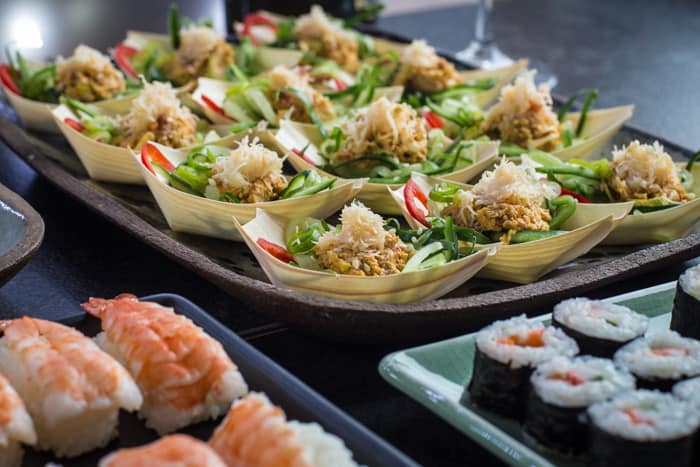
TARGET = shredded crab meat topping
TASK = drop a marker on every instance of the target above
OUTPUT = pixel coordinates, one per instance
(318, 33)
(250, 170)
(88, 76)
(362, 246)
(419, 54)
(385, 127)
(197, 41)
(524, 115)
(644, 171)
(288, 105)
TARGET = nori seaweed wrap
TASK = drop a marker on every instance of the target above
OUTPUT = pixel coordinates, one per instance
(642, 429)
(685, 317)
(506, 354)
(561, 391)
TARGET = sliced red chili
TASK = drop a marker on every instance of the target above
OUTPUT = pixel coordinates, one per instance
(257, 19)
(75, 124)
(579, 198)
(214, 106)
(433, 120)
(8, 80)
(279, 252)
(304, 156)
(122, 55)
(339, 84)
(411, 193)
(151, 153)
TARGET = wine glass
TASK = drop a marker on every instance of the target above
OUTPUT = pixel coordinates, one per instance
(482, 52)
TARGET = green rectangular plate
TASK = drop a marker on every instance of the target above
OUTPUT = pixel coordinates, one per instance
(436, 374)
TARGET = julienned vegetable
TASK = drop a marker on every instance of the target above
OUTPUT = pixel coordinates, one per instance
(249, 173)
(508, 204)
(388, 141)
(365, 245)
(643, 173)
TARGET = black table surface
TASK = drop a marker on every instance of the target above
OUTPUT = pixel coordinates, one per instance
(644, 52)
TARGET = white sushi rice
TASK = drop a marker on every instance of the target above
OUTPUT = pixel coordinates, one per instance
(642, 358)
(165, 418)
(601, 379)
(600, 319)
(555, 343)
(690, 281)
(321, 449)
(664, 416)
(689, 390)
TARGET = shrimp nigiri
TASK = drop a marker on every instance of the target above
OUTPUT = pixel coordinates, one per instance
(72, 389)
(171, 451)
(256, 433)
(16, 426)
(184, 374)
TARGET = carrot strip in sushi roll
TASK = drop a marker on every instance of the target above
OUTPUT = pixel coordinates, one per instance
(171, 451)
(184, 374)
(256, 433)
(16, 426)
(72, 389)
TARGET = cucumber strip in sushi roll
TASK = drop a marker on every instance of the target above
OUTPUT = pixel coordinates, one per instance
(562, 389)
(71, 388)
(685, 317)
(16, 426)
(170, 451)
(661, 359)
(184, 374)
(599, 328)
(644, 429)
(506, 354)
(255, 433)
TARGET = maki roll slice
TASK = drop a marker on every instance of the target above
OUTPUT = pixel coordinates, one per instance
(599, 328)
(256, 433)
(642, 428)
(562, 389)
(506, 354)
(689, 390)
(685, 317)
(661, 359)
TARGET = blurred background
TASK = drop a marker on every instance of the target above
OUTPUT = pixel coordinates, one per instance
(633, 51)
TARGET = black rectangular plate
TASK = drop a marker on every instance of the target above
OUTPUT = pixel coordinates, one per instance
(299, 401)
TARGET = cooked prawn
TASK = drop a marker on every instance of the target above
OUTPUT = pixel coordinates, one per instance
(171, 451)
(184, 374)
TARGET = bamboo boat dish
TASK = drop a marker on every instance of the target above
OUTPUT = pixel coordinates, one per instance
(524, 121)
(191, 50)
(34, 89)
(102, 137)
(533, 243)
(302, 146)
(194, 202)
(665, 195)
(266, 234)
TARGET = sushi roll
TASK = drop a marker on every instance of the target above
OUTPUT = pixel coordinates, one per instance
(16, 426)
(685, 317)
(599, 328)
(184, 374)
(256, 433)
(170, 451)
(689, 390)
(561, 391)
(506, 354)
(642, 428)
(661, 359)
(72, 389)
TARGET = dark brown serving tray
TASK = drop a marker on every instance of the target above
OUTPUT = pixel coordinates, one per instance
(233, 268)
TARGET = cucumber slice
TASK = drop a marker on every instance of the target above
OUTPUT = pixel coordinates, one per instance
(236, 108)
(257, 100)
(296, 225)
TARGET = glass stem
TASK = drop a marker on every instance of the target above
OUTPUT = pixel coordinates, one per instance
(483, 33)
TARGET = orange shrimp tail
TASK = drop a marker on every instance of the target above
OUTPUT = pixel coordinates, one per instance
(96, 306)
